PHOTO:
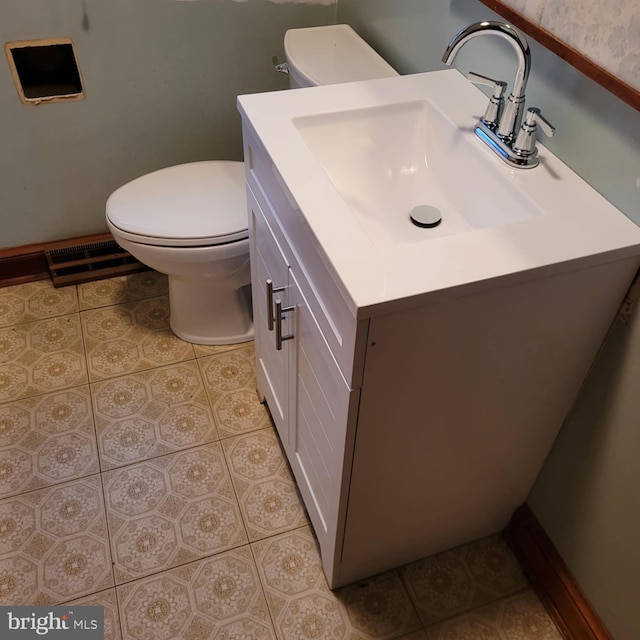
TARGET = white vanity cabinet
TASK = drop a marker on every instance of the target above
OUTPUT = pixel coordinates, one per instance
(418, 425)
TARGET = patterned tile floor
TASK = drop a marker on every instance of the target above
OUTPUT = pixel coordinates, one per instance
(140, 473)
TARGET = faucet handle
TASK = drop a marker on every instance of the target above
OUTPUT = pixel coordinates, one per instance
(497, 86)
(525, 143)
(494, 108)
(535, 117)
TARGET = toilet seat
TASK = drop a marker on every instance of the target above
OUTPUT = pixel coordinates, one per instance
(187, 205)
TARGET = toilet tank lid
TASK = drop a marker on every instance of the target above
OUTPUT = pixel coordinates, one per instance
(332, 54)
(195, 203)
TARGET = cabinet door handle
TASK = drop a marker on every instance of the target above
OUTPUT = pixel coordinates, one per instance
(270, 291)
(279, 337)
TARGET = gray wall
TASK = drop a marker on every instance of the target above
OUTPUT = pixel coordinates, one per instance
(161, 80)
(587, 496)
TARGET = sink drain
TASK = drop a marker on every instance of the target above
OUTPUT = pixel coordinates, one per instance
(425, 216)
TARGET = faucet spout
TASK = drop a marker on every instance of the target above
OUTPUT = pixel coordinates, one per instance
(512, 114)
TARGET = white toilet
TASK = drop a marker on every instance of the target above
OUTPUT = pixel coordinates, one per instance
(190, 221)
(330, 55)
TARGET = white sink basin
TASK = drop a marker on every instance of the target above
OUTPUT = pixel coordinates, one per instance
(354, 159)
(386, 160)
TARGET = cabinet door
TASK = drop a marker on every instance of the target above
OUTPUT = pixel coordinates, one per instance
(322, 409)
(268, 265)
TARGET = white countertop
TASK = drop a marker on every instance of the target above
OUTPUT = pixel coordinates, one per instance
(578, 227)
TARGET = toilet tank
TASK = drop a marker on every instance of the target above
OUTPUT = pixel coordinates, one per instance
(330, 55)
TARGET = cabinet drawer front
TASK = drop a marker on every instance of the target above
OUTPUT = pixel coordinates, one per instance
(344, 335)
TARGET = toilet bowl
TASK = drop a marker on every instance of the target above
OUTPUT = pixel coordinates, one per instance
(190, 222)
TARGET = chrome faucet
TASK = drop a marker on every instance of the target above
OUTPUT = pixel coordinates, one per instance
(500, 127)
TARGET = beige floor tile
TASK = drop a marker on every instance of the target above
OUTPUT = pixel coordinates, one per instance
(379, 607)
(203, 350)
(42, 356)
(269, 499)
(53, 544)
(303, 606)
(46, 440)
(112, 291)
(131, 337)
(151, 413)
(519, 617)
(35, 301)
(416, 635)
(230, 381)
(108, 600)
(443, 585)
(230, 370)
(216, 598)
(171, 510)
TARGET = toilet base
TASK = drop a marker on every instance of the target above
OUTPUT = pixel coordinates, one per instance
(209, 314)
